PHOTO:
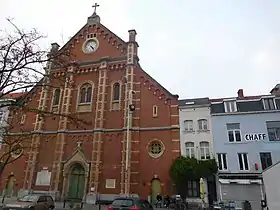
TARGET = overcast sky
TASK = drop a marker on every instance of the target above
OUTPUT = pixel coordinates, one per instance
(194, 48)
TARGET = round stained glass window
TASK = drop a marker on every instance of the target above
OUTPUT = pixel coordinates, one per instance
(156, 148)
(16, 151)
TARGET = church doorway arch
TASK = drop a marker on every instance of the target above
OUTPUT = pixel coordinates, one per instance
(76, 182)
(10, 186)
(155, 188)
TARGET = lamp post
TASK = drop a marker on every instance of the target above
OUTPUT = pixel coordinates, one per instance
(130, 109)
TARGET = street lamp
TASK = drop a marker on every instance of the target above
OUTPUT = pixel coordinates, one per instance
(130, 110)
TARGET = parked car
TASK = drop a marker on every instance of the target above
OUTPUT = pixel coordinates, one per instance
(31, 202)
(130, 203)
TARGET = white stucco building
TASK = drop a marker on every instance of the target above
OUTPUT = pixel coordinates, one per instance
(196, 137)
(5, 102)
(272, 186)
(4, 113)
(195, 124)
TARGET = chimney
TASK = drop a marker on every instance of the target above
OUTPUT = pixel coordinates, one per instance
(276, 90)
(54, 49)
(240, 93)
(132, 35)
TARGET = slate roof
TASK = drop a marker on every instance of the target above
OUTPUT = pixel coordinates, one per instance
(15, 95)
(194, 102)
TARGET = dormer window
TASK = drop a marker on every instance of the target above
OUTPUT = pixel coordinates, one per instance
(269, 104)
(230, 106)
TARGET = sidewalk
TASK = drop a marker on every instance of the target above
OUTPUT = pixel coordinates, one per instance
(59, 204)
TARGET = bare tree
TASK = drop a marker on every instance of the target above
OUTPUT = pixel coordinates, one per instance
(24, 66)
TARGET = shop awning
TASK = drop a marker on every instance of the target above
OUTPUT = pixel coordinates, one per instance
(240, 181)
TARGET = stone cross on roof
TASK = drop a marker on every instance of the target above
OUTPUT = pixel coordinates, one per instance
(95, 7)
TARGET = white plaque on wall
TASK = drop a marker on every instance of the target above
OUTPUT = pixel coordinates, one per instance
(43, 178)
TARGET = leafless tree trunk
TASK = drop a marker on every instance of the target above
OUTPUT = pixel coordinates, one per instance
(24, 66)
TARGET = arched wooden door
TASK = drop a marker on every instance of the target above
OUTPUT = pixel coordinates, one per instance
(156, 188)
(76, 183)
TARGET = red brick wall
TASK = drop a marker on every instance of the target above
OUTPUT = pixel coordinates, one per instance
(147, 92)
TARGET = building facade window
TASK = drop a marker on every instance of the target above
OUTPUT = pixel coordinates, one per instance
(269, 104)
(110, 183)
(56, 97)
(188, 125)
(17, 151)
(156, 148)
(222, 161)
(116, 91)
(190, 151)
(266, 159)
(155, 111)
(273, 130)
(243, 161)
(85, 94)
(84, 103)
(116, 96)
(202, 125)
(204, 150)
(193, 189)
(234, 133)
(230, 106)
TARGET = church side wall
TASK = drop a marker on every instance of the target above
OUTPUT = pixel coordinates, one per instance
(16, 169)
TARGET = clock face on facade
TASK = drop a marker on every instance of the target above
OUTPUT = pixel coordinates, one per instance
(90, 46)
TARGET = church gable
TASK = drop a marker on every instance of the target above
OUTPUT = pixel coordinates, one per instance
(156, 88)
(94, 42)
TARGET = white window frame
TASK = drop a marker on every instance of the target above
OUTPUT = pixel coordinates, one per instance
(108, 183)
(274, 103)
(190, 151)
(222, 161)
(243, 162)
(232, 106)
(189, 127)
(204, 123)
(203, 150)
(234, 135)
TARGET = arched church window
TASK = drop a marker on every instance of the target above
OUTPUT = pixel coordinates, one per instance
(116, 92)
(85, 93)
(56, 97)
(85, 97)
(16, 151)
(116, 96)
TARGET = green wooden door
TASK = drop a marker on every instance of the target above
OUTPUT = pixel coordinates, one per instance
(156, 188)
(76, 182)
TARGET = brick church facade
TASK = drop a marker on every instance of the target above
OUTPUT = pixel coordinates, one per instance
(129, 113)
